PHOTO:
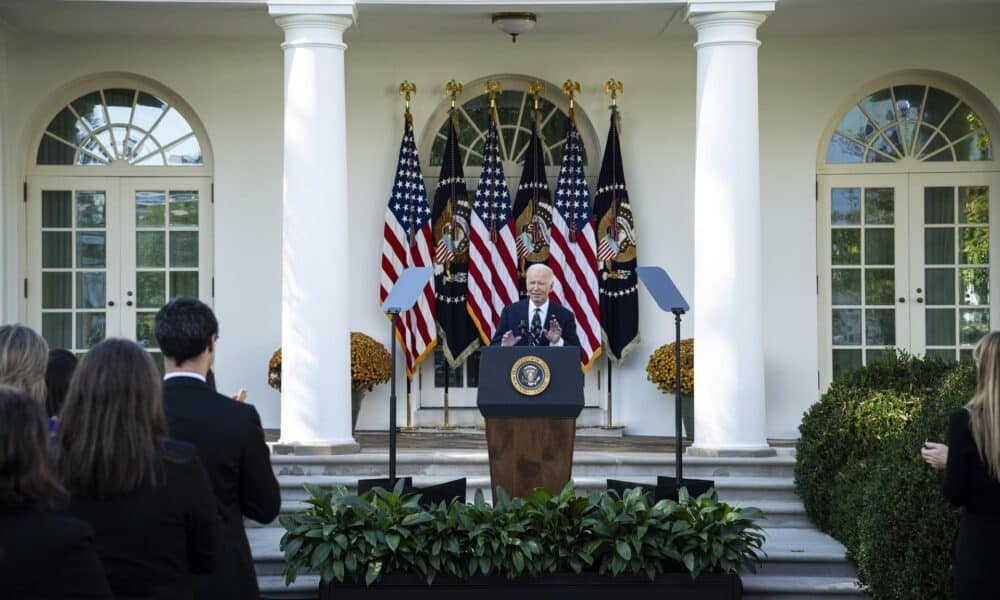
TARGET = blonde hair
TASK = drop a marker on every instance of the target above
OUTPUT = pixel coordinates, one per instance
(24, 356)
(984, 408)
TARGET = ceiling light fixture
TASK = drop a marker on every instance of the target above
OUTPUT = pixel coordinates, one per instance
(514, 23)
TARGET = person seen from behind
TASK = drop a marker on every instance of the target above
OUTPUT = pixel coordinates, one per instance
(147, 497)
(42, 554)
(229, 438)
(971, 479)
(24, 356)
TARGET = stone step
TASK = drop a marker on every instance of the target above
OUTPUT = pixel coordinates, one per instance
(784, 587)
(744, 490)
(468, 463)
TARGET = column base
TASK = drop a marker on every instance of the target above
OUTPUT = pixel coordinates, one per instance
(316, 448)
(731, 451)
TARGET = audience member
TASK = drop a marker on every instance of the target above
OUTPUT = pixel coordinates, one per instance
(42, 554)
(59, 371)
(971, 463)
(228, 436)
(148, 498)
(24, 356)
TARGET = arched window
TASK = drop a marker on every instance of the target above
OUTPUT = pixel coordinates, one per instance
(119, 124)
(514, 114)
(917, 121)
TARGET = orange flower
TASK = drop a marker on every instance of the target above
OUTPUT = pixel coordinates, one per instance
(661, 368)
(371, 364)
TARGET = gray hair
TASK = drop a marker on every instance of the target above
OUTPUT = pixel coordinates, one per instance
(24, 356)
(539, 267)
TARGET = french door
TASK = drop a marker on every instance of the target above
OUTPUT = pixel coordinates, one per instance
(904, 260)
(105, 253)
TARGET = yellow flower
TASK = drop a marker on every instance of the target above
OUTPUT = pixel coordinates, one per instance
(371, 364)
(661, 368)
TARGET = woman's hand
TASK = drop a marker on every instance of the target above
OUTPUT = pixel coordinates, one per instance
(935, 454)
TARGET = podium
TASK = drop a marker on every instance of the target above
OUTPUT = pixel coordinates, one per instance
(530, 397)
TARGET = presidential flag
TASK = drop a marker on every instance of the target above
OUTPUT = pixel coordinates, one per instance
(450, 218)
(573, 251)
(616, 252)
(493, 250)
(407, 243)
(532, 210)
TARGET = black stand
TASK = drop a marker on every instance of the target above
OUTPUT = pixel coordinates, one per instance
(401, 298)
(669, 299)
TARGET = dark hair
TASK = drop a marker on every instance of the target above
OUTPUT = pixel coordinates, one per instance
(59, 371)
(184, 328)
(210, 380)
(25, 478)
(112, 423)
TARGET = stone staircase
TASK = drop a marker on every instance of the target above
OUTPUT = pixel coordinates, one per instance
(802, 563)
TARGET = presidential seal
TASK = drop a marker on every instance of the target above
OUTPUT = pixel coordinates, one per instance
(530, 375)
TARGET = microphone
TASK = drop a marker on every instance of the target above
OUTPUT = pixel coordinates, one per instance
(522, 330)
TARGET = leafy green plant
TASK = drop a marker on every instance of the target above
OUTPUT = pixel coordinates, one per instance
(347, 538)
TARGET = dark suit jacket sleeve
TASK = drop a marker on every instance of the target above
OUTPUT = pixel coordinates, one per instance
(962, 454)
(260, 496)
(504, 326)
(80, 568)
(202, 523)
(569, 335)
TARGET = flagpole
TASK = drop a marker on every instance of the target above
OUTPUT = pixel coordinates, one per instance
(613, 88)
(610, 421)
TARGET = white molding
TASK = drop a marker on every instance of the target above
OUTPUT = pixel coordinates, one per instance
(282, 8)
(717, 6)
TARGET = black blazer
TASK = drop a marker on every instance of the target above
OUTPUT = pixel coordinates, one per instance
(48, 556)
(154, 538)
(515, 315)
(230, 443)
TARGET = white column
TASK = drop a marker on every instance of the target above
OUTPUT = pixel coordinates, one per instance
(729, 360)
(315, 325)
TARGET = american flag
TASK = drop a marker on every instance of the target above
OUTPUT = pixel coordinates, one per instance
(607, 249)
(572, 251)
(407, 243)
(492, 250)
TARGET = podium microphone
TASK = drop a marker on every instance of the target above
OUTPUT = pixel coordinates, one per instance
(522, 330)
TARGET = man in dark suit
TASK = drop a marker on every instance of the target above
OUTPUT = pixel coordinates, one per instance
(536, 321)
(229, 439)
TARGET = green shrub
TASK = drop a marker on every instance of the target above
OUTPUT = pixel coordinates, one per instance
(857, 415)
(351, 538)
(905, 526)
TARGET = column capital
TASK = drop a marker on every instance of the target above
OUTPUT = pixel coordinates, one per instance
(727, 28)
(702, 7)
(313, 14)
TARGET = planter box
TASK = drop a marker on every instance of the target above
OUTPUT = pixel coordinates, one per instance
(586, 586)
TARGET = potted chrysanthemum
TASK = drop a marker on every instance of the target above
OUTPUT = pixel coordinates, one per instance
(662, 370)
(371, 365)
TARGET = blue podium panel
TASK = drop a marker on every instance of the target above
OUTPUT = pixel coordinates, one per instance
(522, 381)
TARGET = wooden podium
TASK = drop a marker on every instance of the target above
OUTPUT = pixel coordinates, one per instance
(530, 398)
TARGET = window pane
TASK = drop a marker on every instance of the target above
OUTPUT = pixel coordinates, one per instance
(939, 205)
(844, 151)
(940, 285)
(89, 329)
(54, 152)
(945, 354)
(187, 152)
(940, 326)
(144, 329)
(90, 249)
(939, 104)
(441, 367)
(975, 286)
(150, 209)
(57, 208)
(974, 323)
(975, 248)
(880, 286)
(880, 326)
(939, 246)
(171, 127)
(437, 150)
(147, 110)
(91, 109)
(90, 290)
(845, 361)
(150, 249)
(472, 367)
(57, 250)
(846, 326)
(846, 286)
(879, 106)
(931, 150)
(57, 329)
(183, 208)
(857, 125)
(845, 246)
(119, 102)
(57, 290)
(845, 206)
(183, 248)
(875, 355)
(974, 204)
(879, 248)
(960, 123)
(183, 283)
(151, 289)
(90, 209)
(878, 206)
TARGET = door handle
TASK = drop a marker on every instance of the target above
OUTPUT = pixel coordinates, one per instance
(919, 300)
(129, 303)
(111, 302)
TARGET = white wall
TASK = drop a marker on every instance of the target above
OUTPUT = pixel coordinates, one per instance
(235, 88)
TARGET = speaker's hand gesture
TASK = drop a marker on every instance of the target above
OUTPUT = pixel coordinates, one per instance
(554, 332)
